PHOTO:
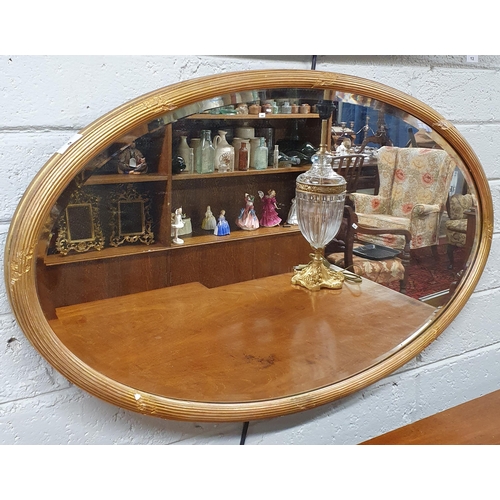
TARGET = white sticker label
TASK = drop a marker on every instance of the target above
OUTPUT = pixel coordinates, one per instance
(64, 147)
(354, 225)
(472, 59)
(262, 115)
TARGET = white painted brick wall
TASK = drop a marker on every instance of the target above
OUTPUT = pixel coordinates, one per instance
(46, 99)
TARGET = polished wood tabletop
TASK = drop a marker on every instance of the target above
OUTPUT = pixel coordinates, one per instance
(473, 422)
(250, 341)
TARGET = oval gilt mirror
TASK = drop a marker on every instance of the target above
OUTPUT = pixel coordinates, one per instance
(150, 260)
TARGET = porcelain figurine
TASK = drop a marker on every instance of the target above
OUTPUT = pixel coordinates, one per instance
(132, 161)
(209, 222)
(248, 219)
(292, 214)
(222, 227)
(270, 217)
(178, 224)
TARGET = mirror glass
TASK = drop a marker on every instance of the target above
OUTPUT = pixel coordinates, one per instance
(164, 264)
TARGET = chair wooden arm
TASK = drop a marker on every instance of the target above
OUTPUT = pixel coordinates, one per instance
(353, 227)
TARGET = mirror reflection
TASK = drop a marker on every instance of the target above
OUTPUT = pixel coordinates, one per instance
(203, 199)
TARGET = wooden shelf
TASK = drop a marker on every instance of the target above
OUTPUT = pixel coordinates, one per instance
(197, 238)
(124, 179)
(208, 116)
(236, 173)
(106, 253)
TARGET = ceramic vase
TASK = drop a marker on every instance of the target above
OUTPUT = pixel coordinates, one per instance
(224, 153)
(184, 151)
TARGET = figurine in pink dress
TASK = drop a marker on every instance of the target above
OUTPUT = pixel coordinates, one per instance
(270, 217)
(247, 219)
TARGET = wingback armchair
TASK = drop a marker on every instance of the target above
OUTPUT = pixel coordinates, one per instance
(457, 226)
(414, 184)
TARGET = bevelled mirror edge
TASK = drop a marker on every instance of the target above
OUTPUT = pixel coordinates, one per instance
(29, 219)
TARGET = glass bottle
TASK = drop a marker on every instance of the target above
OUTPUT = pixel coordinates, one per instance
(268, 133)
(252, 147)
(207, 153)
(243, 157)
(286, 108)
(196, 147)
(260, 155)
(276, 156)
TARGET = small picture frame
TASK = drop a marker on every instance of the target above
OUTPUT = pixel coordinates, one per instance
(79, 222)
(79, 229)
(130, 217)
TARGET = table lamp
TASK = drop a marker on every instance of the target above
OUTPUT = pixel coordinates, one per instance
(320, 194)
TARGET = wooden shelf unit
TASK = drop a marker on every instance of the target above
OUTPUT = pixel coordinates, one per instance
(204, 258)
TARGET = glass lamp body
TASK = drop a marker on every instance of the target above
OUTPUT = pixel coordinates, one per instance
(320, 195)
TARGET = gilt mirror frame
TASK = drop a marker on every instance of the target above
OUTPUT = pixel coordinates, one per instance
(63, 167)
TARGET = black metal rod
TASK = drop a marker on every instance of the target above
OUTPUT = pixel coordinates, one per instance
(313, 64)
(244, 432)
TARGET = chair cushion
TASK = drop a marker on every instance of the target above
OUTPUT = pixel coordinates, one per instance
(380, 271)
(457, 225)
(384, 221)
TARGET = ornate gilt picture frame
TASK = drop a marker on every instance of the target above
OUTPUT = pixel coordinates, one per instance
(79, 229)
(131, 220)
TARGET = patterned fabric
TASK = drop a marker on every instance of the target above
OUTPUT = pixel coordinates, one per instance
(381, 221)
(459, 203)
(380, 271)
(456, 227)
(414, 185)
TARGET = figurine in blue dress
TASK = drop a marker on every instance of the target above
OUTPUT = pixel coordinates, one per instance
(222, 227)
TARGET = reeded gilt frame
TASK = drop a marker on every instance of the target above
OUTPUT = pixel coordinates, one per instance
(34, 210)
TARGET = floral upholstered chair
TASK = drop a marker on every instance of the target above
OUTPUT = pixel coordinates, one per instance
(456, 226)
(414, 184)
(384, 272)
